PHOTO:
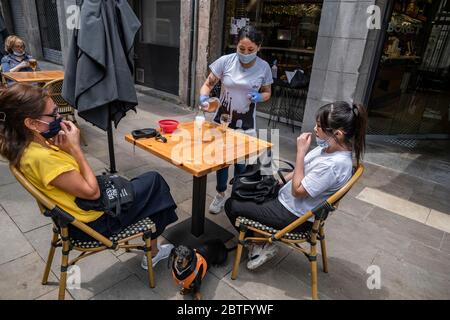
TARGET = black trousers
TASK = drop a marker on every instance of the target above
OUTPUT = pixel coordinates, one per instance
(270, 213)
(152, 200)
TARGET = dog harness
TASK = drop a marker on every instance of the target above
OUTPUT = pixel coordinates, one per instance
(187, 282)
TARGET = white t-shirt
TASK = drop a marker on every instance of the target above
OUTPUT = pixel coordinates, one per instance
(325, 173)
(237, 83)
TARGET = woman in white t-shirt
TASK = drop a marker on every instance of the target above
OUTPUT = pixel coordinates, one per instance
(340, 130)
(246, 80)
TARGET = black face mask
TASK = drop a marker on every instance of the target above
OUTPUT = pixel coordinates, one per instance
(54, 128)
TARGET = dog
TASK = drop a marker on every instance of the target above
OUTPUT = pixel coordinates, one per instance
(189, 266)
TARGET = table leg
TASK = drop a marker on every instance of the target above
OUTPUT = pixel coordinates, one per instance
(195, 231)
(198, 205)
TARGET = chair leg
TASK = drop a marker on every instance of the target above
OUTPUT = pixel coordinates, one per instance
(314, 294)
(237, 259)
(127, 249)
(148, 254)
(313, 260)
(64, 263)
(323, 246)
(51, 254)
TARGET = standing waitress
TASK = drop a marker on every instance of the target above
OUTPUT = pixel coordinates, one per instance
(246, 80)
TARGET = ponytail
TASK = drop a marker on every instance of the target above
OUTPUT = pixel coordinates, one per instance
(360, 124)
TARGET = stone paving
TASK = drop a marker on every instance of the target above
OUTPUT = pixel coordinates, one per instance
(414, 259)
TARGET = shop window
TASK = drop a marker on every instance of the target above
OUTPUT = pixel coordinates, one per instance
(411, 93)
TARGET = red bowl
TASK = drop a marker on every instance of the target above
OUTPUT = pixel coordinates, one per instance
(168, 126)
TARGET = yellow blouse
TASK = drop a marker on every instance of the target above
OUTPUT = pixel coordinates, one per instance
(42, 165)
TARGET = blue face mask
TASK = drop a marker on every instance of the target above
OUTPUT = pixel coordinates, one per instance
(54, 128)
(247, 58)
(322, 143)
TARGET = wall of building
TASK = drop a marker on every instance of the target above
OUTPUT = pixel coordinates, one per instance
(65, 32)
(344, 57)
(204, 21)
(216, 29)
(208, 45)
(185, 44)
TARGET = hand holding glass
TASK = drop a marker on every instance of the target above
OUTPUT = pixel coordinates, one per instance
(225, 120)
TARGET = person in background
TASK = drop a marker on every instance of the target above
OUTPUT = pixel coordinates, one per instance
(246, 80)
(16, 60)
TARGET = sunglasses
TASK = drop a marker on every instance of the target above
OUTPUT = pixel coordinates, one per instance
(54, 114)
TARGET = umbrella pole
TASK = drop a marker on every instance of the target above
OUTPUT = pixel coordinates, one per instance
(112, 157)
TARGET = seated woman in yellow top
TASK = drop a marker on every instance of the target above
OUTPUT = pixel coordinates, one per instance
(46, 149)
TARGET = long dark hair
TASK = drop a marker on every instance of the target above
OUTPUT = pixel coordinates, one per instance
(351, 119)
(251, 33)
(17, 103)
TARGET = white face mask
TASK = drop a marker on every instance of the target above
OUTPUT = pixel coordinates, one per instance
(247, 58)
(19, 54)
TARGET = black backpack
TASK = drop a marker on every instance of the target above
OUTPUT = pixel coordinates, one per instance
(116, 193)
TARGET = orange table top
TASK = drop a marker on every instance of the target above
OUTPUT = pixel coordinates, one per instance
(37, 76)
(200, 152)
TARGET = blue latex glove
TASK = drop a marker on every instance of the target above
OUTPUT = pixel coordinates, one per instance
(203, 99)
(256, 97)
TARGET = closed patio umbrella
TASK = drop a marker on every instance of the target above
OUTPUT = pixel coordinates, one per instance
(99, 80)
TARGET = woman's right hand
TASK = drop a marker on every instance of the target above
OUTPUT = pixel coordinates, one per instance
(24, 64)
(68, 139)
(304, 142)
(203, 105)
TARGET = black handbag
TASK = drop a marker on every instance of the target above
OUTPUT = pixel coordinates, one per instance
(116, 193)
(252, 185)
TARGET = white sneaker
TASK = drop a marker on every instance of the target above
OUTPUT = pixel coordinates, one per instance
(254, 250)
(217, 204)
(163, 253)
(260, 254)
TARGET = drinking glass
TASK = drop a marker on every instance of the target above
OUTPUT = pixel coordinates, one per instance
(33, 64)
(225, 120)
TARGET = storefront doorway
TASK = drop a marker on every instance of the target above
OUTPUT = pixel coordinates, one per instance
(411, 93)
(290, 29)
(157, 49)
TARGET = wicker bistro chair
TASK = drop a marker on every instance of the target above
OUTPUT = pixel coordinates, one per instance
(54, 89)
(3, 82)
(61, 237)
(297, 240)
